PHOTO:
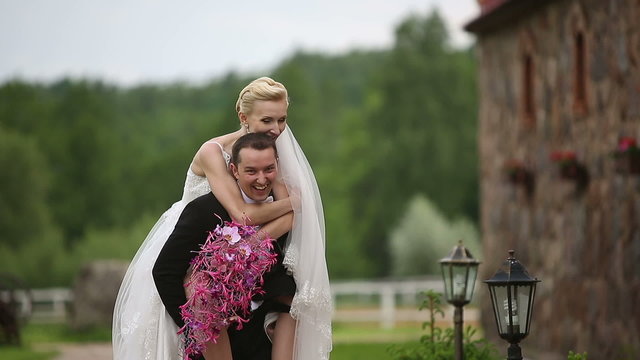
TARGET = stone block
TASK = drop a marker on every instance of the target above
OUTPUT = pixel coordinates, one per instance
(94, 293)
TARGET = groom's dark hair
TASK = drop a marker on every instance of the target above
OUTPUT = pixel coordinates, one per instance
(256, 141)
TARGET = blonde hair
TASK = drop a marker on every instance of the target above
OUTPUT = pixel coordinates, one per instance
(263, 88)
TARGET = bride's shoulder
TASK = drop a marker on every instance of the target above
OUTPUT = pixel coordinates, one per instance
(216, 145)
(223, 141)
(211, 150)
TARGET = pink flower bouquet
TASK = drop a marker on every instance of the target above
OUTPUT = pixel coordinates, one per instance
(227, 273)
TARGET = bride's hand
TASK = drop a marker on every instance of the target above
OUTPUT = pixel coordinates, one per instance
(294, 198)
(280, 190)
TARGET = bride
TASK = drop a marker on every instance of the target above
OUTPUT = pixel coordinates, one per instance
(142, 329)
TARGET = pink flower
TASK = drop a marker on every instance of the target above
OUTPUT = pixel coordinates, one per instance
(230, 234)
(244, 250)
(225, 277)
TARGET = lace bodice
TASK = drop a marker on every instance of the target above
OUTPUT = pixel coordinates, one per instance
(196, 185)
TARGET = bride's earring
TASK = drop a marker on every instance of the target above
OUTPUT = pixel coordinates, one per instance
(246, 128)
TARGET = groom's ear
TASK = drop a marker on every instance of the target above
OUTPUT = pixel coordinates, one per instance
(234, 170)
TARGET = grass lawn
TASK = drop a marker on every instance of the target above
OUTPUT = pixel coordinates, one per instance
(368, 341)
(351, 341)
(61, 333)
(361, 351)
(373, 333)
(34, 335)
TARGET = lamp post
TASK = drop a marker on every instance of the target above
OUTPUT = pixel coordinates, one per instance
(459, 271)
(512, 293)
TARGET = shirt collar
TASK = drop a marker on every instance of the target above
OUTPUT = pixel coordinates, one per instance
(249, 200)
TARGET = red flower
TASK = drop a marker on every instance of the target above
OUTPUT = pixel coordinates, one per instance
(563, 157)
(626, 143)
(513, 165)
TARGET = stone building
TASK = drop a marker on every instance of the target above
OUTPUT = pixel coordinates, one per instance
(559, 84)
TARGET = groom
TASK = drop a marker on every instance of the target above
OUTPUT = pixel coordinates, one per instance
(254, 164)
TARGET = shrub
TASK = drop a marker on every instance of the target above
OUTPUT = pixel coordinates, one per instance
(438, 344)
(425, 235)
(576, 356)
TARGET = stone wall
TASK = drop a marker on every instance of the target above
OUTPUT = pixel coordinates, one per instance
(94, 293)
(583, 244)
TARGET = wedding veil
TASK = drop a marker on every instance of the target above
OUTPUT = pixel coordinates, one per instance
(305, 254)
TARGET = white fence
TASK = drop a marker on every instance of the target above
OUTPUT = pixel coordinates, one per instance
(383, 298)
(44, 305)
(383, 301)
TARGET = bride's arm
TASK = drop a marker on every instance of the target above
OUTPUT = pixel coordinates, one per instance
(283, 224)
(225, 189)
(278, 227)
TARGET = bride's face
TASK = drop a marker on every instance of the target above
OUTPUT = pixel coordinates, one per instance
(268, 117)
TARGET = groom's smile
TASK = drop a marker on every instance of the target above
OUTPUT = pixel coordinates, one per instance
(255, 172)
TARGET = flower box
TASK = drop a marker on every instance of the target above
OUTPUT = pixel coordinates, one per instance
(518, 173)
(627, 156)
(628, 164)
(569, 168)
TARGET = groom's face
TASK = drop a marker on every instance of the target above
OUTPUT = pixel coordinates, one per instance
(256, 171)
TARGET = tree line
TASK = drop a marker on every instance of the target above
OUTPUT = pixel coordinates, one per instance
(87, 167)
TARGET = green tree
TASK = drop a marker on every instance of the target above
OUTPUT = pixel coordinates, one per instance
(327, 98)
(24, 214)
(421, 116)
(30, 244)
(377, 127)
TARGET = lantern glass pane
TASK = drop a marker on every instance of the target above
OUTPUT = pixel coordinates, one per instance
(446, 276)
(499, 298)
(522, 293)
(459, 282)
(514, 326)
(471, 281)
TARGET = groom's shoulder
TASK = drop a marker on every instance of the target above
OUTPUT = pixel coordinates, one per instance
(207, 200)
(203, 206)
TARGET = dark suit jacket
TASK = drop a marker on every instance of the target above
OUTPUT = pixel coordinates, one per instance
(191, 231)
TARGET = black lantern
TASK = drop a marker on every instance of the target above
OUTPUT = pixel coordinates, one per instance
(512, 293)
(459, 271)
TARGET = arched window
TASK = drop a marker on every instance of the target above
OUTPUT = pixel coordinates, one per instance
(528, 105)
(576, 27)
(579, 74)
(528, 79)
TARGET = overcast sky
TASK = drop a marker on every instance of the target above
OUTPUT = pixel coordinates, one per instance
(132, 41)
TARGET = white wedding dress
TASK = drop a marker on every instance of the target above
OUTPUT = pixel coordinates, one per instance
(142, 328)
